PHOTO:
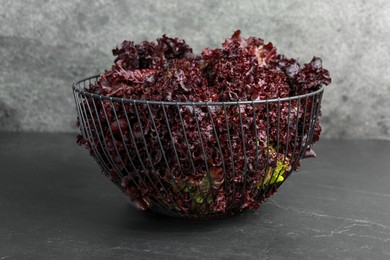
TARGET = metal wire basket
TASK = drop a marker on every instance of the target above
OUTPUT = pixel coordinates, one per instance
(196, 160)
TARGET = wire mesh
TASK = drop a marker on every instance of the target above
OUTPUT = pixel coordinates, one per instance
(196, 160)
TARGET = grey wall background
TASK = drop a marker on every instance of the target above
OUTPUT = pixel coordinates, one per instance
(47, 45)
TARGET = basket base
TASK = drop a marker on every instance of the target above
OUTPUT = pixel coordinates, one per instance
(174, 214)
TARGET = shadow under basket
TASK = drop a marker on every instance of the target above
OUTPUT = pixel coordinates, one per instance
(197, 160)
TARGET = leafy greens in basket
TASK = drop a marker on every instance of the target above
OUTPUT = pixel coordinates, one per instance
(195, 158)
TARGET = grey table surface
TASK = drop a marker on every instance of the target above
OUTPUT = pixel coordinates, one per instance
(55, 204)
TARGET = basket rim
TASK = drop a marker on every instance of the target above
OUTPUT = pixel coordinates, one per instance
(76, 88)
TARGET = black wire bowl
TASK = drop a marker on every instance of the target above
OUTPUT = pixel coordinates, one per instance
(199, 160)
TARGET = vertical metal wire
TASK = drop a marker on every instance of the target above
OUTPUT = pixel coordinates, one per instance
(312, 126)
(244, 152)
(162, 149)
(189, 153)
(316, 115)
(269, 186)
(104, 143)
(89, 135)
(124, 142)
(168, 194)
(134, 168)
(254, 185)
(158, 203)
(285, 154)
(76, 96)
(83, 128)
(256, 141)
(118, 155)
(231, 155)
(309, 123)
(262, 193)
(288, 131)
(203, 151)
(186, 138)
(172, 140)
(301, 146)
(219, 147)
(135, 146)
(296, 134)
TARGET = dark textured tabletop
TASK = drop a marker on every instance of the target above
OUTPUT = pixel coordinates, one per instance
(55, 204)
